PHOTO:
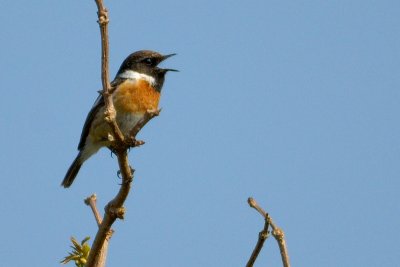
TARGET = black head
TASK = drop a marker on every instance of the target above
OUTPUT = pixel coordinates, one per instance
(145, 62)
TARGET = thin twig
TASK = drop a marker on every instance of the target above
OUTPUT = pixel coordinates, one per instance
(262, 236)
(113, 210)
(280, 238)
(91, 202)
(99, 248)
(277, 233)
(252, 202)
(109, 112)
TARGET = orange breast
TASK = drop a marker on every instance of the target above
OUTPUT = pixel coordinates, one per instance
(135, 96)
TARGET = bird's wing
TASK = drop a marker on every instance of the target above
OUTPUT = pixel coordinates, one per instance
(98, 104)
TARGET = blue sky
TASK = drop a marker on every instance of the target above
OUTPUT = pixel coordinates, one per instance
(295, 103)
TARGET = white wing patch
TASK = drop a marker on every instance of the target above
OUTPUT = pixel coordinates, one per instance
(133, 75)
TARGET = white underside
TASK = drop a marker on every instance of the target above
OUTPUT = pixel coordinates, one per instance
(89, 149)
(126, 122)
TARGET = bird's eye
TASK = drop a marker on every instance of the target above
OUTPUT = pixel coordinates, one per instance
(148, 61)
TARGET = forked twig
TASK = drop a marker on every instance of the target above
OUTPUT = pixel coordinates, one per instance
(91, 202)
(277, 233)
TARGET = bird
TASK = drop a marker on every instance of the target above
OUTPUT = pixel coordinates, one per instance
(135, 90)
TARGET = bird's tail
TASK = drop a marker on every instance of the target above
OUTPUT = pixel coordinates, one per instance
(72, 171)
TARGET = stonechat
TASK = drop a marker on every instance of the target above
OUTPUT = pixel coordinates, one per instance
(135, 90)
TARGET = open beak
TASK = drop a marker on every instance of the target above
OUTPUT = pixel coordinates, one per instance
(164, 58)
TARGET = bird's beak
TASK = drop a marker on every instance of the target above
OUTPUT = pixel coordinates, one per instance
(164, 58)
(170, 70)
(167, 56)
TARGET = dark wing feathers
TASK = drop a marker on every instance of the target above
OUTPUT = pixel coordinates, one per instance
(89, 119)
(98, 104)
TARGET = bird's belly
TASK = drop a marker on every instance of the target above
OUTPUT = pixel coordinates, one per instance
(100, 130)
(127, 120)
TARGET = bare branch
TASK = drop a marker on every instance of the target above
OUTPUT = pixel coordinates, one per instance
(262, 236)
(280, 238)
(91, 202)
(252, 202)
(277, 233)
(113, 210)
(109, 112)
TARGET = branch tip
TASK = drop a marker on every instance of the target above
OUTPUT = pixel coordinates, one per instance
(277, 233)
(87, 200)
(251, 202)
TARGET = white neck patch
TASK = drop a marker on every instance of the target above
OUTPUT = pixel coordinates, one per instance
(133, 75)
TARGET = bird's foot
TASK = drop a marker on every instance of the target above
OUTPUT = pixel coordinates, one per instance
(133, 142)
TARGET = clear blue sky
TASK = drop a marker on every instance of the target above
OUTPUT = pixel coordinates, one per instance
(295, 103)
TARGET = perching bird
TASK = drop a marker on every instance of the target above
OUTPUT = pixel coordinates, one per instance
(135, 90)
